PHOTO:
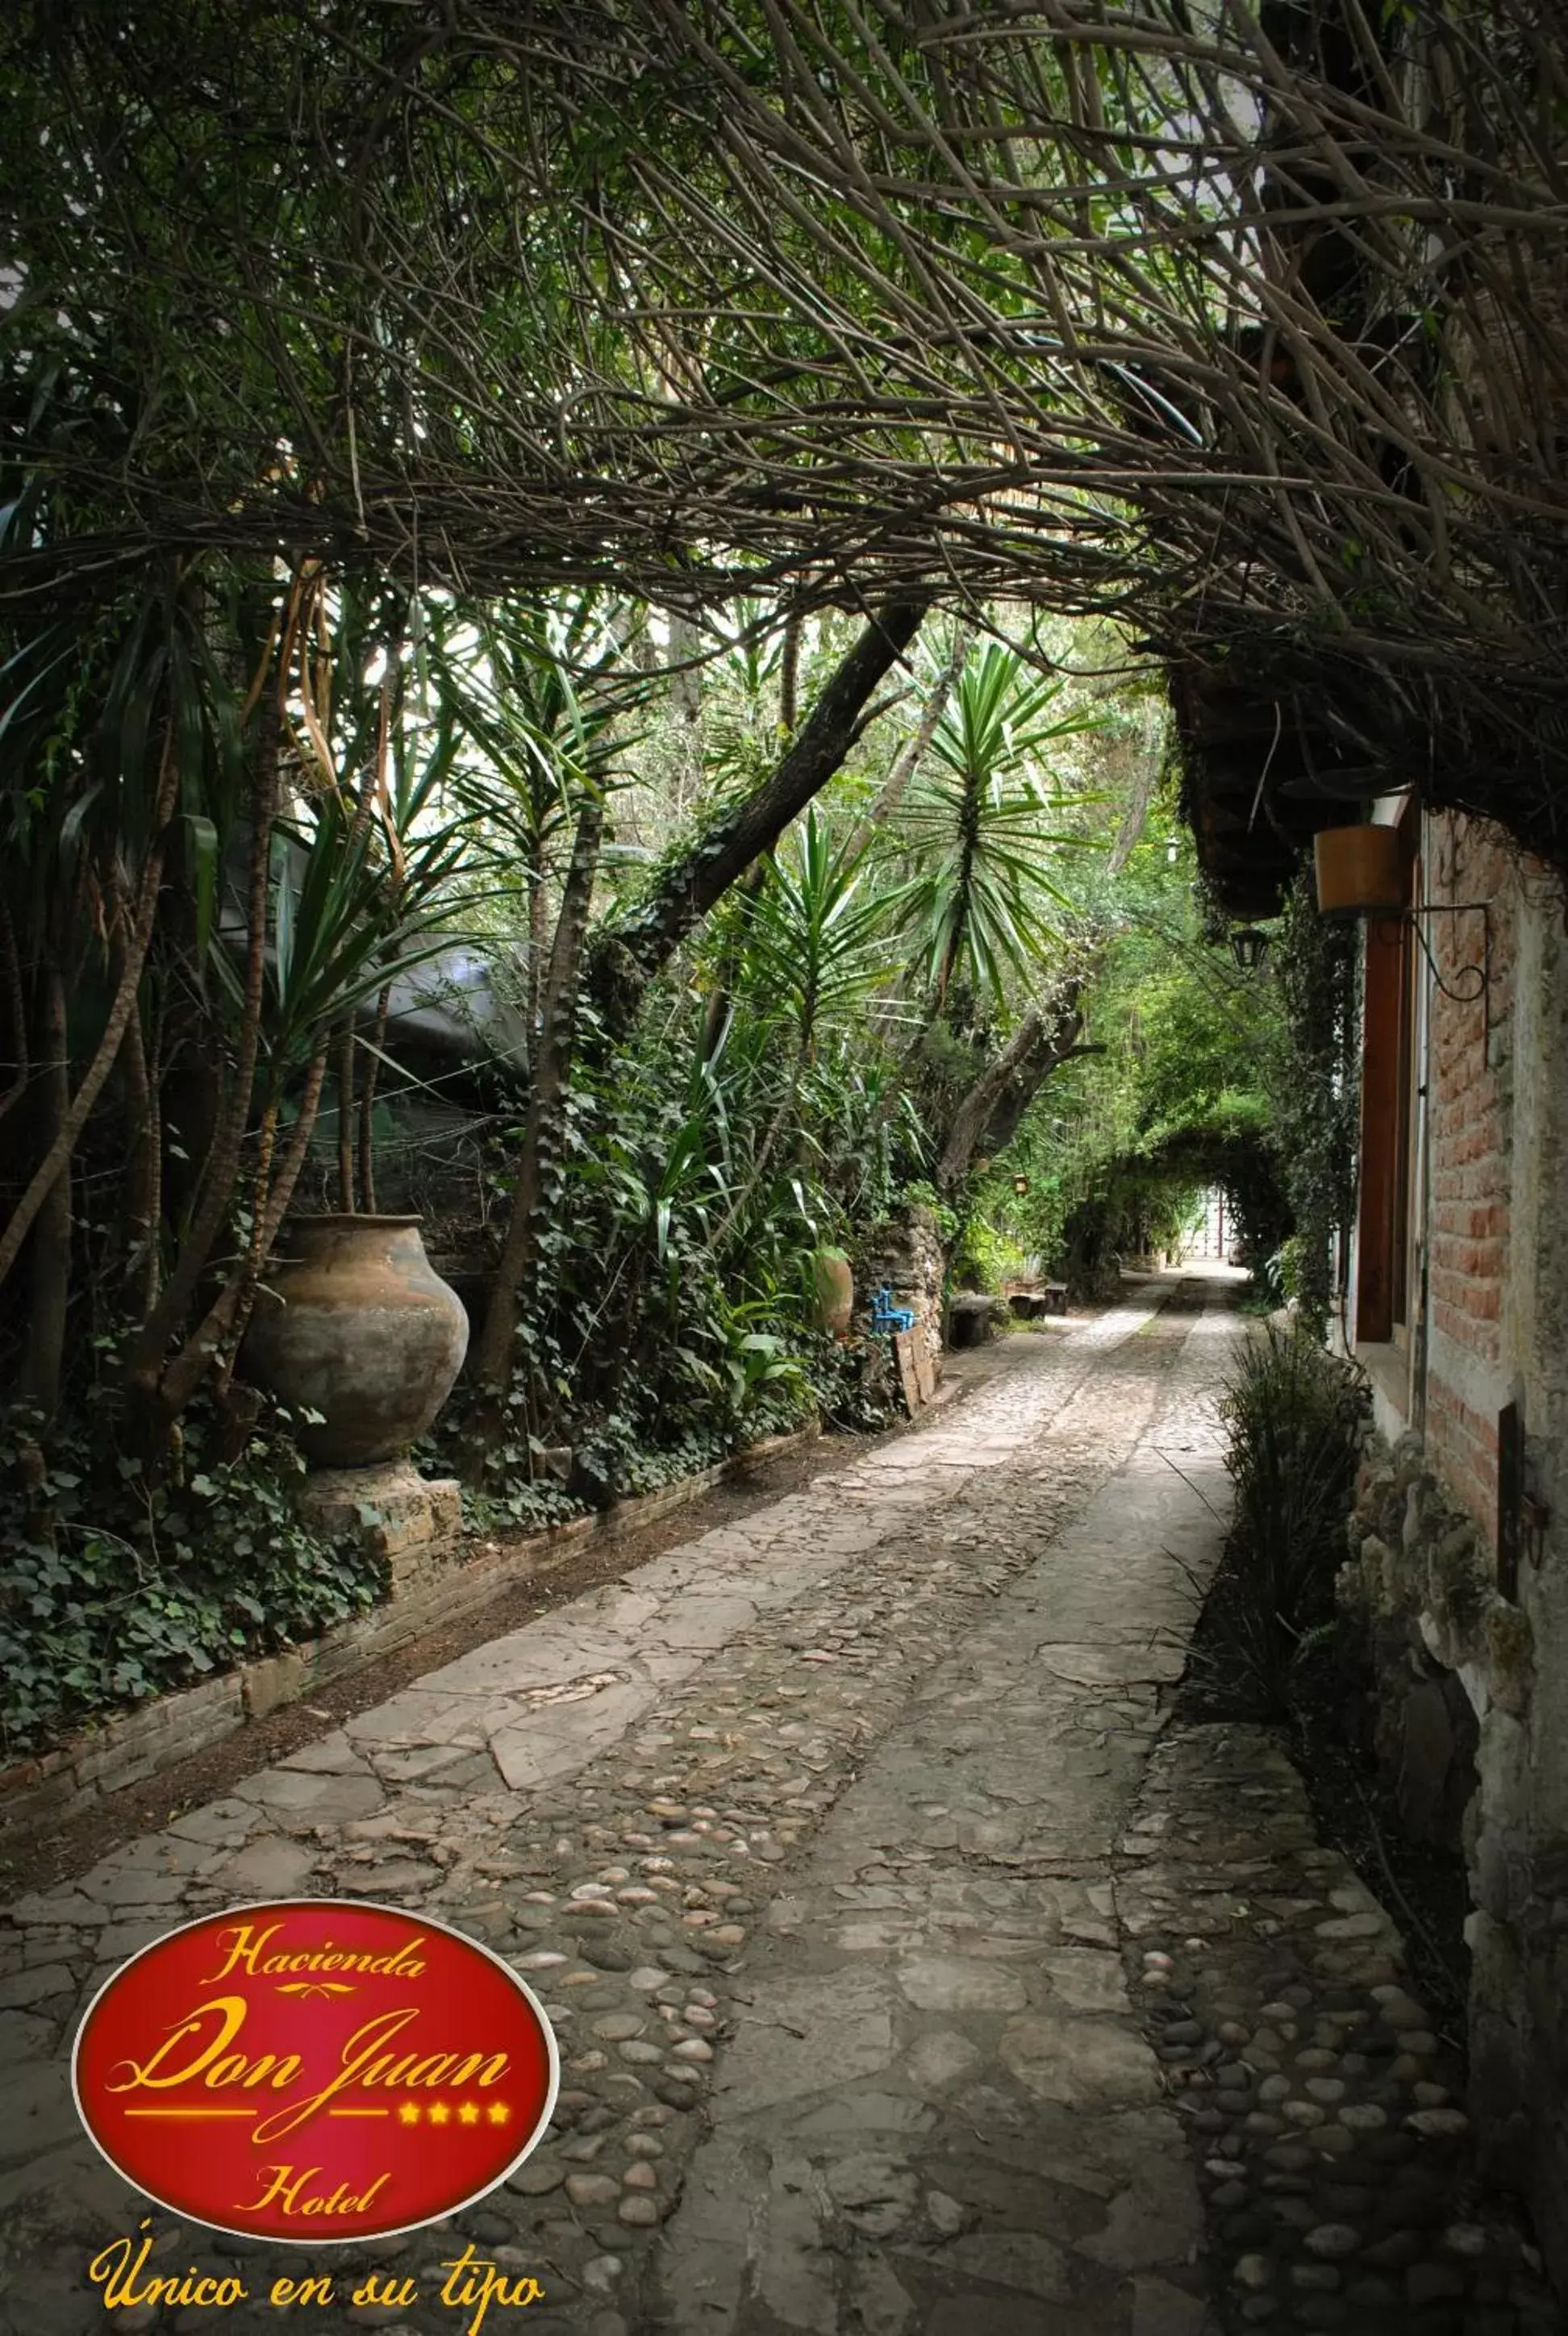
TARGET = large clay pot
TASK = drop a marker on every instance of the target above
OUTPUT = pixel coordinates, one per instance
(355, 1322)
(833, 1284)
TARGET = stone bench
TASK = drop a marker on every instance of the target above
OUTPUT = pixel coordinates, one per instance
(1046, 1297)
(971, 1318)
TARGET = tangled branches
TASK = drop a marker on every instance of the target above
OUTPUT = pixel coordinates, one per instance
(1244, 325)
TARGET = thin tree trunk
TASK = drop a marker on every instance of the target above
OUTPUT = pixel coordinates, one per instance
(226, 1317)
(143, 1299)
(50, 1257)
(346, 1116)
(537, 942)
(143, 1154)
(625, 959)
(143, 1162)
(916, 748)
(963, 884)
(789, 679)
(368, 1104)
(366, 1130)
(15, 1010)
(686, 699)
(371, 793)
(492, 1352)
(57, 1159)
(163, 1320)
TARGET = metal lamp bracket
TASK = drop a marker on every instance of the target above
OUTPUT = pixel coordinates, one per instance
(1469, 984)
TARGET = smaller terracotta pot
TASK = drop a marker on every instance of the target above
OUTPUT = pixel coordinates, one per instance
(833, 1284)
(355, 1322)
(1357, 871)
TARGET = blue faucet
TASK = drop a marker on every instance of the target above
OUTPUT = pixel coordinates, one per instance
(886, 1315)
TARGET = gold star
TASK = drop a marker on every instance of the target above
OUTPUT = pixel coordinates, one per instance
(499, 2113)
(438, 2112)
(469, 2113)
(409, 2113)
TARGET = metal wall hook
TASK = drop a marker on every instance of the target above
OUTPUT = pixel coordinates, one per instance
(1469, 985)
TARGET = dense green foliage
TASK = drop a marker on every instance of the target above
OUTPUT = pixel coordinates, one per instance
(212, 1564)
(1123, 1143)
(977, 955)
(396, 786)
(283, 790)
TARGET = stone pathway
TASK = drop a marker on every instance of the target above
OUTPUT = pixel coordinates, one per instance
(821, 1837)
(937, 2112)
(1325, 2113)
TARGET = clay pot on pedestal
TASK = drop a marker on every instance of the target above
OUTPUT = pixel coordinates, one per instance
(355, 1322)
(833, 1289)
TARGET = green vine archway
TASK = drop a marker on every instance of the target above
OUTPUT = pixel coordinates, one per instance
(1143, 1202)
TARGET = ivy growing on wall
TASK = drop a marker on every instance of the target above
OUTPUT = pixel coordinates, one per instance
(1314, 1082)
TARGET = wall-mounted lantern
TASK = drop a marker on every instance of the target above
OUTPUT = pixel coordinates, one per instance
(1249, 947)
(1020, 1185)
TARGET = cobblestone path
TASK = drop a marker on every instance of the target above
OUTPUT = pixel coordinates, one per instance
(1322, 2109)
(832, 1842)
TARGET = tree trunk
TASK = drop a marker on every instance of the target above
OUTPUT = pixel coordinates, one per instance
(57, 1161)
(143, 1161)
(493, 1353)
(624, 960)
(345, 1117)
(685, 701)
(913, 754)
(50, 1257)
(538, 943)
(146, 1359)
(15, 1011)
(226, 1317)
(1004, 1089)
(789, 679)
(368, 1104)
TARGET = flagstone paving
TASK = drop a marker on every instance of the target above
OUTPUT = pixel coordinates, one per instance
(841, 1846)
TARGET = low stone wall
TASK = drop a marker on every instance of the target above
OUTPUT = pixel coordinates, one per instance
(432, 1586)
(1457, 1709)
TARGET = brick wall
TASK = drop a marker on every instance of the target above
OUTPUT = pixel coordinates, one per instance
(1470, 1102)
(1494, 1217)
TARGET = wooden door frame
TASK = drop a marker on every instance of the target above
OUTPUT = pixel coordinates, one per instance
(1387, 1035)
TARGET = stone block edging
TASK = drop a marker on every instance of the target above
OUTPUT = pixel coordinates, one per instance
(49, 1787)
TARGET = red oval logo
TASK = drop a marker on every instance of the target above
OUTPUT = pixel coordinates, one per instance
(315, 2069)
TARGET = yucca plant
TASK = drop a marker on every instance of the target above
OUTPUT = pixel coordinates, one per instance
(976, 828)
(814, 929)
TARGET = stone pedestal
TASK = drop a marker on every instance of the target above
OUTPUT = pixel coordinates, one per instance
(412, 1520)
